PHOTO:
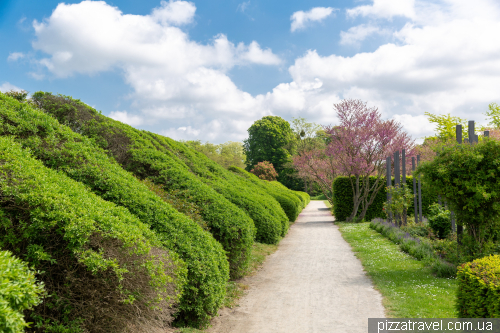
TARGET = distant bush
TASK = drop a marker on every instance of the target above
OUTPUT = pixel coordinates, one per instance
(103, 269)
(78, 157)
(265, 171)
(18, 292)
(439, 220)
(478, 293)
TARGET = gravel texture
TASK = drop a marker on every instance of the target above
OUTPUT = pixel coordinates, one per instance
(312, 283)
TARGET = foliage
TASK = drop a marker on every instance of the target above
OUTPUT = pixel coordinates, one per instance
(439, 220)
(18, 95)
(19, 291)
(466, 176)
(494, 115)
(415, 247)
(83, 248)
(265, 171)
(400, 199)
(268, 140)
(478, 293)
(446, 126)
(408, 287)
(360, 145)
(226, 154)
(81, 159)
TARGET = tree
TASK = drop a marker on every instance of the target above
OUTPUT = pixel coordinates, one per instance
(265, 170)
(494, 115)
(360, 145)
(226, 154)
(269, 139)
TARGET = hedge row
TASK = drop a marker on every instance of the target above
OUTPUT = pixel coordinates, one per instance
(58, 147)
(81, 246)
(288, 200)
(18, 292)
(343, 199)
(139, 153)
(478, 294)
(265, 211)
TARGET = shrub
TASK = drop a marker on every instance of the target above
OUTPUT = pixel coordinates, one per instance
(78, 157)
(478, 293)
(467, 177)
(439, 220)
(265, 171)
(84, 248)
(18, 292)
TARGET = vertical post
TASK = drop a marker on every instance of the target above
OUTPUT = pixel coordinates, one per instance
(439, 195)
(419, 192)
(403, 166)
(397, 175)
(388, 175)
(472, 135)
(486, 134)
(460, 228)
(414, 189)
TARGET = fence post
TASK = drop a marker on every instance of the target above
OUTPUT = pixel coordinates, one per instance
(419, 192)
(414, 189)
(388, 182)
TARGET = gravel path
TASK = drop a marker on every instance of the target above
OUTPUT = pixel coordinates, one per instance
(312, 283)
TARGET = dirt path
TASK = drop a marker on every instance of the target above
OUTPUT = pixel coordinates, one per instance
(312, 283)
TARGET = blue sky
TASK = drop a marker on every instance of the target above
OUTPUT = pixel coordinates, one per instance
(208, 69)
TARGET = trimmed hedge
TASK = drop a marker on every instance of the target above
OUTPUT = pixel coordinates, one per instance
(82, 246)
(290, 203)
(58, 147)
(264, 211)
(343, 199)
(18, 292)
(478, 294)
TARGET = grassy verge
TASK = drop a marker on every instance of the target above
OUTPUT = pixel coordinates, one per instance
(409, 288)
(236, 289)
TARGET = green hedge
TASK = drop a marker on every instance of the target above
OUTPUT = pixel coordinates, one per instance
(478, 293)
(290, 203)
(140, 153)
(58, 147)
(79, 243)
(263, 210)
(18, 292)
(343, 196)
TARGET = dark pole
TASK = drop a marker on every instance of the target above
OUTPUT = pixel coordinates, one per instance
(419, 192)
(397, 175)
(403, 165)
(471, 132)
(388, 174)
(486, 134)
(460, 228)
(414, 189)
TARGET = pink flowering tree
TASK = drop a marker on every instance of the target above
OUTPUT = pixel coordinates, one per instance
(316, 166)
(359, 146)
(265, 171)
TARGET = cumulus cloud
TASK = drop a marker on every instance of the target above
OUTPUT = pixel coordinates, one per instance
(301, 19)
(6, 86)
(14, 56)
(444, 60)
(357, 34)
(385, 9)
(174, 12)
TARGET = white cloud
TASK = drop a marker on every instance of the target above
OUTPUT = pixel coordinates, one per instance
(14, 56)
(301, 19)
(385, 9)
(174, 12)
(125, 117)
(6, 86)
(357, 34)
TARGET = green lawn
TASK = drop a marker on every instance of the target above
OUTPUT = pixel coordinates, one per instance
(408, 287)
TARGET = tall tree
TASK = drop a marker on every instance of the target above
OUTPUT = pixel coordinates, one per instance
(360, 145)
(269, 139)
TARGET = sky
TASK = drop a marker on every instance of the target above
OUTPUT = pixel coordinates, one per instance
(206, 70)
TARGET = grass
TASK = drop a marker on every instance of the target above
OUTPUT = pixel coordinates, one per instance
(409, 288)
(236, 289)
